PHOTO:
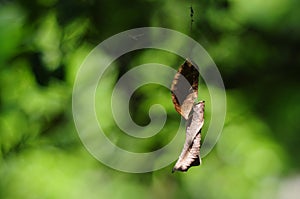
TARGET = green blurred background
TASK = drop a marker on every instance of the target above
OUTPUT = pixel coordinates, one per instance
(255, 45)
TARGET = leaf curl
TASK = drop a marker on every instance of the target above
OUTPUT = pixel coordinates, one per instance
(184, 88)
(190, 155)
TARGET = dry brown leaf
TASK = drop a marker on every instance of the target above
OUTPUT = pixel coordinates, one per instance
(190, 155)
(185, 88)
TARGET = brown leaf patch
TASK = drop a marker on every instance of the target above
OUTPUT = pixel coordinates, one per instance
(190, 155)
(184, 88)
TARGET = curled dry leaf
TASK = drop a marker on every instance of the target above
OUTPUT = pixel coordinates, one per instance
(185, 88)
(190, 155)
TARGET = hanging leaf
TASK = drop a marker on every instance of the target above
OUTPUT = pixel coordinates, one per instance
(184, 88)
(190, 155)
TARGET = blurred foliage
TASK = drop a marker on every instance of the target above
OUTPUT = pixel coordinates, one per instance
(255, 45)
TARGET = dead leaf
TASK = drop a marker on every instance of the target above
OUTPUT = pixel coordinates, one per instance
(190, 155)
(185, 88)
